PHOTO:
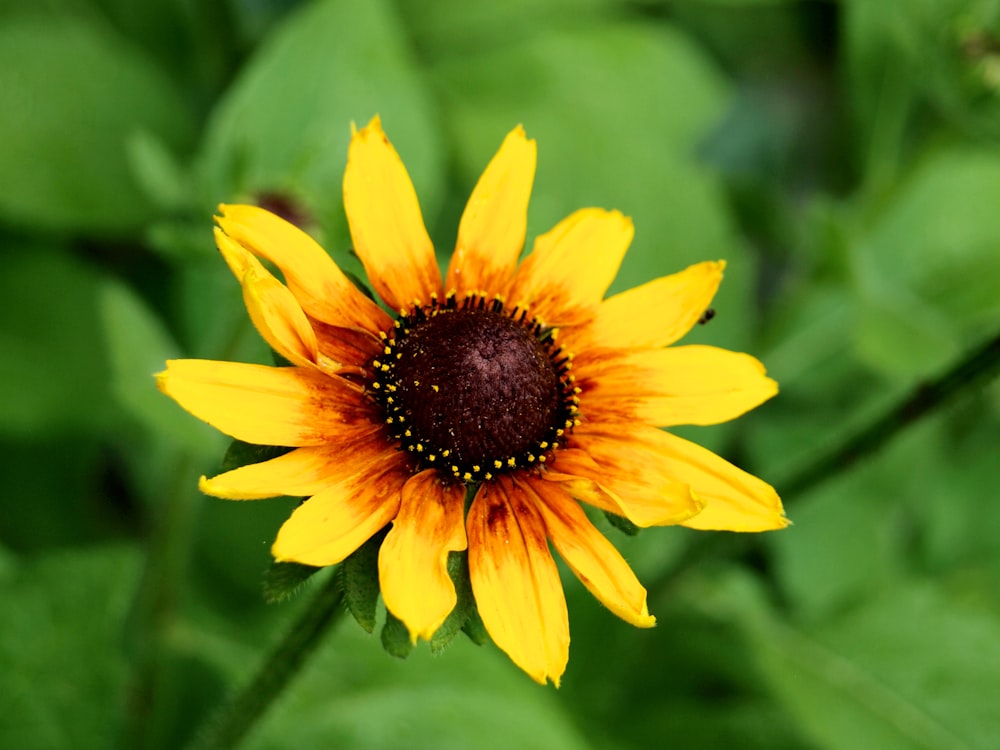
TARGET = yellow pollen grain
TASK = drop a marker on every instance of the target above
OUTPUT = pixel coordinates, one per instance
(498, 464)
(512, 462)
(376, 385)
(389, 420)
(476, 468)
(420, 448)
(454, 470)
(487, 476)
(431, 457)
(446, 452)
(436, 389)
(543, 445)
(531, 458)
(541, 459)
(416, 383)
(467, 476)
(387, 350)
(408, 433)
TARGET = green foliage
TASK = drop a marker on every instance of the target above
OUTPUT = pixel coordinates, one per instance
(844, 158)
(65, 670)
(77, 92)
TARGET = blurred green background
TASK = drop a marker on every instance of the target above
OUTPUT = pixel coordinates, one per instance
(844, 157)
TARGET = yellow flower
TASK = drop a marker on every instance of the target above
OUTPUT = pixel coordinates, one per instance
(519, 382)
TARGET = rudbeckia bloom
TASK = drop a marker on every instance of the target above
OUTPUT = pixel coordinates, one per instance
(518, 384)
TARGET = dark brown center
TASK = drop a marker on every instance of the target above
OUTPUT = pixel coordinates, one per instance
(473, 390)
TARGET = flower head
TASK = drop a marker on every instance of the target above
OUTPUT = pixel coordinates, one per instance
(517, 384)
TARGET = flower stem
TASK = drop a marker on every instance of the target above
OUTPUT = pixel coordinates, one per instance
(231, 721)
(979, 366)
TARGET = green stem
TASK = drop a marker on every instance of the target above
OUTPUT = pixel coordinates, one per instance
(233, 719)
(981, 365)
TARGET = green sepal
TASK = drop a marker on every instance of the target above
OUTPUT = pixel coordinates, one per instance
(458, 570)
(622, 524)
(283, 580)
(395, 637)
(243, 454)
(360, 578)
(475, 629)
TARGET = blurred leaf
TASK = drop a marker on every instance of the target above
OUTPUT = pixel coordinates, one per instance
(158, 172)
(53, 367)
(139, 346)
(913, 667)
(354, 696)
(926, 271)
(904, 52)
(64, 677)
(689, 682)
(847, 541)
(283, 128)
(71, 94)
(456, 28)
(69, 497)
(957, 537)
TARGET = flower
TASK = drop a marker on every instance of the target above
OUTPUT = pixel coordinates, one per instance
(515, 382)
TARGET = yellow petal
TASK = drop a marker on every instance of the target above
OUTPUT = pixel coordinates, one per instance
(698, 385)
(594, 560)
(303, 471)
(491, 233)
(275, 312)
(653, 315)
(515, 580)
(734, 499)
(610, 473)
(570, 268)
(322, 289)
(329, 526)
(413, 559)
(387, 227)
(292, 406)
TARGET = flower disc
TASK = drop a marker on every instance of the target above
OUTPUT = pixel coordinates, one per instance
(474, 391)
